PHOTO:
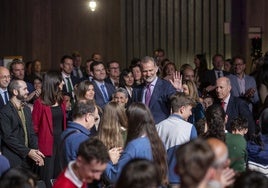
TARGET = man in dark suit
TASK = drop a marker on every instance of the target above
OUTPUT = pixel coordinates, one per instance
(70, 81)
(103, 90)
(4, 82)
(155, 92)
(19, 142)
(78, 68)
(209, 83)
(233, 106)
(113, 70)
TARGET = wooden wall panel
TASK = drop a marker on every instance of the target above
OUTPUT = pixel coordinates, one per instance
(123, 29)
(182, 28)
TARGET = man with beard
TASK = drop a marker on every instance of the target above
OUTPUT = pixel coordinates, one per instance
(155, 92)
(19, 142)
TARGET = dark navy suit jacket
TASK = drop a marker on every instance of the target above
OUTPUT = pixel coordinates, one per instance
(159, 103)
(98, 94)
(210, 77)
(2, 103)
(237, 107)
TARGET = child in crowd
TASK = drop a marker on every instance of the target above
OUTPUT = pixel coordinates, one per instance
(237, 144)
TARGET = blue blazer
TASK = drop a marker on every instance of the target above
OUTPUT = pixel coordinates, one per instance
(237, 107)
(159, 103)
(98, 94)
(249, 83)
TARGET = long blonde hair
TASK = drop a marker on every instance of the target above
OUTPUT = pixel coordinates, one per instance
(112, 123)
(193, 91)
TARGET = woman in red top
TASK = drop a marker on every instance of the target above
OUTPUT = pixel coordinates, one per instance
(49, 119)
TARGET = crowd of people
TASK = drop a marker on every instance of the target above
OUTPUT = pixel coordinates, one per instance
(150, 125)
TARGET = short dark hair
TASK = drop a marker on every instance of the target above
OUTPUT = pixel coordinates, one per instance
(239, 57)
(178, 100)
(139, 173)
(196, 154)
(65, 57)
(15, 62)
(239, 123)
(110, 62)
(93, 149)
(95, 63)
(217, 55)
(251, 179)
(83, 107)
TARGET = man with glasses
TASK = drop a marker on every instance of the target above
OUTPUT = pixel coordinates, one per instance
(85, 115)
(243, 86)
(113, 70)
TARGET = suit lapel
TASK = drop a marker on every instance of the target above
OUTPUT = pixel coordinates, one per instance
(156, 91)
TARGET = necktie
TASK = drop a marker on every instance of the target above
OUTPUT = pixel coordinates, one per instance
(6, 97)
(219, 74)
(105, 96)
(148, 94)
(222, 104)
(69, 85)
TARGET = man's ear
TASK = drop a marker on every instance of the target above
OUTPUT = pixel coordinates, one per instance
(182, 109)
(211, 173)
(79, 161)
(15, 92)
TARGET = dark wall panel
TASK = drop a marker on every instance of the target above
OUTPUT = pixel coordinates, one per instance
(181, 27)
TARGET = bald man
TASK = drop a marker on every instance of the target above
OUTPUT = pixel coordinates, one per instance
(233, 106)
(224, 176)
(4, 82)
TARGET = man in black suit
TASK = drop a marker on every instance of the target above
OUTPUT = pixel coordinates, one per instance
(209, 83)
(70, 81)
(113, 70)
(233, 106)
(18, 140)
(78, 68)
(103, 90)
(4, 82)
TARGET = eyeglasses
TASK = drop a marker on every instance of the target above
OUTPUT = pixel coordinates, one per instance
(5, 77)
